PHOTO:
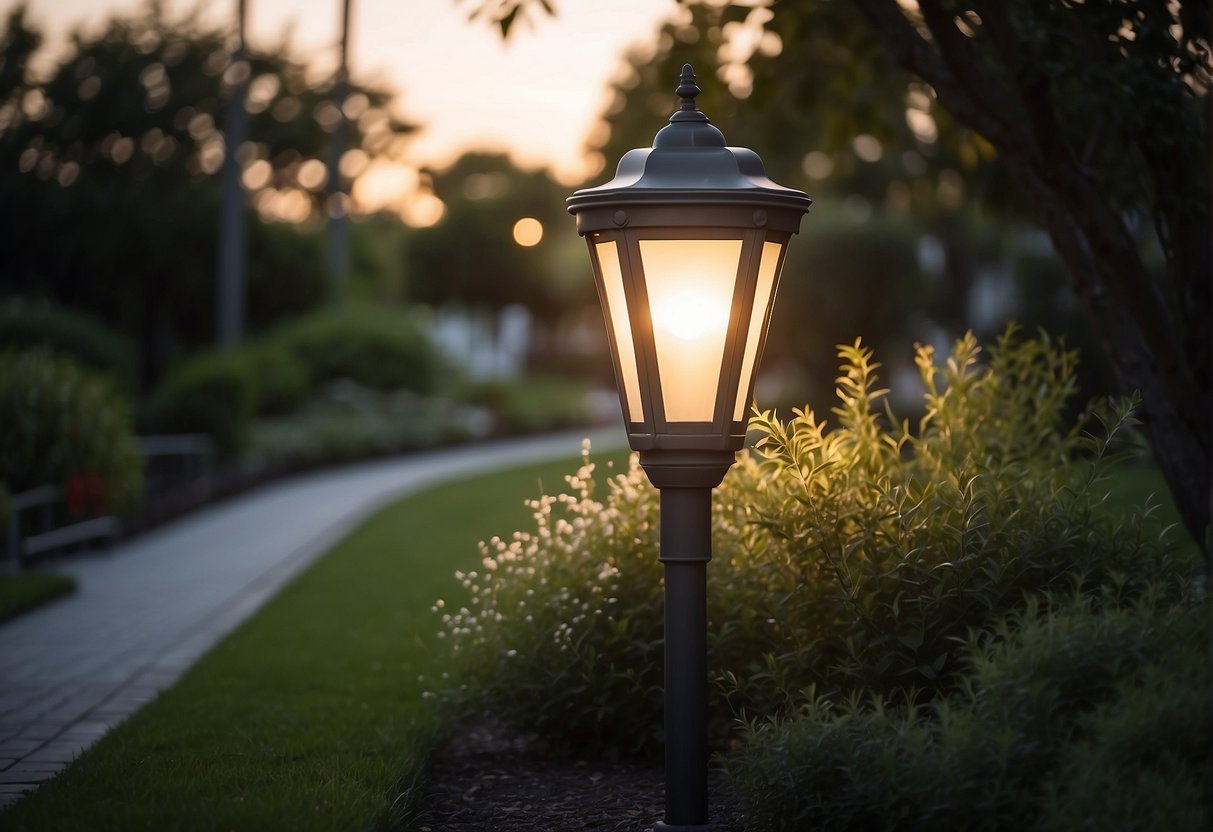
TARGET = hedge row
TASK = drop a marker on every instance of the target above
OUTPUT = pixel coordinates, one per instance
(220, 393)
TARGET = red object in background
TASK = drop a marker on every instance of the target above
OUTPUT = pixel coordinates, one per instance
(85, 494)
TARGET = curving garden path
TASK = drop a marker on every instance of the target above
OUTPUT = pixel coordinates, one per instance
(148, 608)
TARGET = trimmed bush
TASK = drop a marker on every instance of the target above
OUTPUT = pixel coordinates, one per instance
(528, 404)
(1071, 718)
(61, 423)
(852, 561)
(380, 348)
(43, 325)
(283, 383)
(214, 393)
(348, 422)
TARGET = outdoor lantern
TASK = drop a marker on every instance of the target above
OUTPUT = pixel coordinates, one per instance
(687, 243)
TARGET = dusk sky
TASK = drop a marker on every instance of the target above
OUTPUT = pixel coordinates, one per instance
(536, 95)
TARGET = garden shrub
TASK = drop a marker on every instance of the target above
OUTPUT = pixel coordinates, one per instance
(1072, 717)
(847, 561)
(381, 348)
(564, 629)
(214, 393)
(347, 421)
(869, 550)
(26, 324)
(62, 423)
(528, 404)
(283, 383)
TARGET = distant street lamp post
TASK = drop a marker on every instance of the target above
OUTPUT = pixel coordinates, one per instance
(231, 266)
(687, 242)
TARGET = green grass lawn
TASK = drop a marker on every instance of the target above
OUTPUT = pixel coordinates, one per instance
(19, 593)
(310, 715)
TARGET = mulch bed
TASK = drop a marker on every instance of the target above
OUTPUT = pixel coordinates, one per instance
(490, 780)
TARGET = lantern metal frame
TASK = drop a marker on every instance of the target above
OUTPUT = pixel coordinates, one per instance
(689, 186)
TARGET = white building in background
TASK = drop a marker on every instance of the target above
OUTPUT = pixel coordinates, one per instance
(485, 348)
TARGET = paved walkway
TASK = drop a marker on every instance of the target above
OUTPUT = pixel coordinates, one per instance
(148, 609)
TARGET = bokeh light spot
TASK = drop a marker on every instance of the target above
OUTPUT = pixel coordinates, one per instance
(528, 231)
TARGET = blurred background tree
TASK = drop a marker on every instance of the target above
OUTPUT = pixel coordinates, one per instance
(499, 243)
(108, 185)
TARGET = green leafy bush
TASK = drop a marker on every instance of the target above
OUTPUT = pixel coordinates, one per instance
(855, 560)
(528, 404)
(347, 422)
(214, 393)
(282, 382)
(380, 348)
(1072, 717)
(28, 324)
(871, 550)
(60, 421)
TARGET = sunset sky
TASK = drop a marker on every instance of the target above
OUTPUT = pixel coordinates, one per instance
(536, 95)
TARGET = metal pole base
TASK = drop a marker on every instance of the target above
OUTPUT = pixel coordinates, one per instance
(686, 547)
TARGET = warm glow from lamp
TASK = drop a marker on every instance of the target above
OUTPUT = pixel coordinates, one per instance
(767, 272)
(690, 286)
(614, 302)
(690, 315)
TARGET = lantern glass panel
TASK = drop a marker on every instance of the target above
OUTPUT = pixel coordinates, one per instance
(690, 290)
(615, 302)
(758, 316)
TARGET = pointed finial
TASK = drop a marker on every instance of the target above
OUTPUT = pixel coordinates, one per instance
(687, 90)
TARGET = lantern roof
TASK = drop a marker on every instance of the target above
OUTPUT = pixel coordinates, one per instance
(689, 162)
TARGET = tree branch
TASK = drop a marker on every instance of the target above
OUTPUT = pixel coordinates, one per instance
(911, 51)
(967, 67)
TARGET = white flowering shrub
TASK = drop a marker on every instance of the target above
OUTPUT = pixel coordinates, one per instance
(564, 620)
(852, 561)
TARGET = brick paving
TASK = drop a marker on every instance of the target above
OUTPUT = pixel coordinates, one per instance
(148, 608)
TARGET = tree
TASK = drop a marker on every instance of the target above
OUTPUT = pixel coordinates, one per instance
(485, 196)
(1097, 111)
(109, 175)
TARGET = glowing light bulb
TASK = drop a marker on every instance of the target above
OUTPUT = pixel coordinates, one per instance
(689, 315)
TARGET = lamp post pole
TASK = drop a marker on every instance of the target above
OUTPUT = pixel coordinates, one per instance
(685, 481)
(230, 286)
(686, 548)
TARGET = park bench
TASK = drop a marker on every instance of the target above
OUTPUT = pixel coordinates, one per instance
(41, 502)
(169, 462)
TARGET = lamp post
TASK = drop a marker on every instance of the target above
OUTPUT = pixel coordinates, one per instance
(687, 242)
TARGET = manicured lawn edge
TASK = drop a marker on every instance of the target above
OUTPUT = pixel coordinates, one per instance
(22, 593)
(310, 715)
